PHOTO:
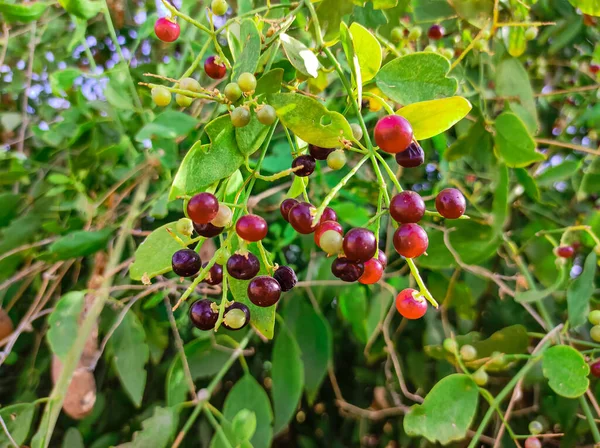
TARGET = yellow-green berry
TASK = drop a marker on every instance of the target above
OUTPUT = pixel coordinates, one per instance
(247, 82)
(184, 226)
(450, 345)
(595, 333)
(594, 317)
(190, 84)
(161, 96)
(183, 101)
(480, 377)
(336, 160)
(468, 352)
(219, 7)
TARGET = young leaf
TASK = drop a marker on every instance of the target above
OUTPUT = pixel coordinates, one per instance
(157, 431)
(288, 377)
(243, 425)
(23, 13)
(247, 60)
(153, 256)
(130, 354)
(447, 411)
(430, 118)
(18, 418)
(310, 120)
(352, 58)
(62, 323)
(416, 77)
(580, 291)
(248, 394)
(513, 144)
(367, 50)
(300, 56)
(566, 370)
(84, 9)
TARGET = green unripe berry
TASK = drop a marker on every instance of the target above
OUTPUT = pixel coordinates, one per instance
(450, 345)
(594, 317)
(531, 33)
(190, 84)
(480, 45)
(266, 115)
(468, 352)
(336, 160)
(535, 427)
(247, 82)
(498, 359)
(480, 377)
(219, 7)
(183, 101)
(184, 226)
(415, 33)
(161, 96)
(240, 117)
(397, 34)
(595, 333)
(232, 92)
(486, 35)
(447, 53)
(357, 131)
(430, 48)
(331, 242)
(235, 318)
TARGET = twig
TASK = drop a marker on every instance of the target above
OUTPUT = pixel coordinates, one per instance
(26, 247)
(5, 428)
(545, 141)
(179, 344)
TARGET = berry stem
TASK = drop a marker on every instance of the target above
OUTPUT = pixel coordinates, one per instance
(176, 238)
(390, 173)
(189, 93)
(192, 68)
(174, 11)
(432, 213)
(265, 258)
(383, 102)
(417, 276)
(223, 303)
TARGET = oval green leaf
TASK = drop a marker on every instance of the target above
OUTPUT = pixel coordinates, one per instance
(430, 118)
(17, 418)
(513, 143)
(62, 323)
(300, 56)
(84, 9)
(367, 50)
(566, 370)
(248, 43)
(589, 7)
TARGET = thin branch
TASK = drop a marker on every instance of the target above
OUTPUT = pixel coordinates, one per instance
(7, 432)
(545, 141)
(179, 344)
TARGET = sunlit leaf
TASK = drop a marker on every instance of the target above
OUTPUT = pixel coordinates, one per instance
(430, 118)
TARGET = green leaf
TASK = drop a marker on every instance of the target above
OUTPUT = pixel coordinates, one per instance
(431, 10)
(243, 425)
(559, 172)
(330, 13)
(247, 60)
(510, 340)
(153, 256)
(170, 124)
(512, 81)
(250, 137)
(248, 394)
(513, 144)
(79, 243)
(476, 139)
(310, 120)
(566, 370)
(352, 58)
(62, 323)
(353, 306)
(270, 82)
(367, 50)
(300, 56)
(380, 305)
(62, 80)
(157, 431)
(528, 183)
(446, 413)
(580, 291)
(23, 13)
(130, 354)
(287, 374)
(430, 118)
(84, 9)
(476, 12)
(500, 206)
(299, 185)
(535, 295)
(589, 7)
(73, 439)
(18, 418)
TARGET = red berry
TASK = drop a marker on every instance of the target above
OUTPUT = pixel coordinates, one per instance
(373, 272)
(203, 208)
(411, 304)
(324, 227)
(407, 206)
(410, 240)
(215, 274)
(251, 228)
(307, 163)
(450, 203)
(436, 32)
(186, 262)
(594, 68)
(300, 217)
(533, 442)
(214, 69)
(382, 257)
(202, 315)
(359, 244)
(595, 368)
(243, 267)
(227, 316)
(328, 215)
(412, 157)
(166, 30)
(285, 208)
(347, 270)
(319, 153)
(393, 134)
(208, 230)
(264, 291)
(286, 277)
(565, 251)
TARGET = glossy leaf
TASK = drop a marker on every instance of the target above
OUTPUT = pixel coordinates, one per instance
(63, 323)
(430, 118)
(512, 339)
(566, 370)
(157, 431)
(367, 50)
(416, 77)
(84, 9)
(310, 120)
(552, 174)
(513, 144)
(18, 418)
(270, 82)
(580, 291)
(170, 124)
(300, 56)
(25, 13)
(447, 412)
(153, 255)
(249, 41)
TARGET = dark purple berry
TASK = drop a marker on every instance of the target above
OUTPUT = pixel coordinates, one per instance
(308, 165)
(319, 153)
(413, 157)
(407, 206)
(301, 216)
(285, 208)
(202, 315)
(264, 291)
(186, 262)
(243, 267)
(360, 244)
(215, 274)
(208, 230)
(286, 277)
(347, 270)
(328, 215)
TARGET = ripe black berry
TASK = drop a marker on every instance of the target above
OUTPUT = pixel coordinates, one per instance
(319, 153)
(251, 228)
(202, 315)
(243, 267)
(413, 157)
(347, 270)
(407, 206)
(215, 274)
(286, 277)
(264, 291)
(207, 230)
(186, 262)
(300, 217)
(285, 208)
(307, 163)
(359, 244)
(328, 215)
(436, 32)
(565, 251)
(236, 316)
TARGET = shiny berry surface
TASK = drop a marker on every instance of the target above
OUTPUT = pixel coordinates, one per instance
(373, 272)
(329, 214)
(215, 274)
(357, 131)
(331, 242)
(236, 316)
(243, 267)
(382, 257)
(436, 32)
(202, 315)
(324, 227)
(219, 7)
(411, 304)
(450, 203)
(161, 96)
(189, 84)
(232, 92)
(251, 228)
(319, 153)
(595, 368)
(166, 30)
(306, 162)
(347, 270)
(202, 208)
(360, 244)
(266, 115)
(264, 291)
(533, 442)
(393, 134)
(595, 333)
(337, 159)
(286, 206)
(214, 68)
(247, 82)
(186, 262)
(410, 240)
(565, 251)
(240, 117)
(413, 157)
(301, 216)
(208, 230)
(407, 206)
(183, 101)
(286, 277)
